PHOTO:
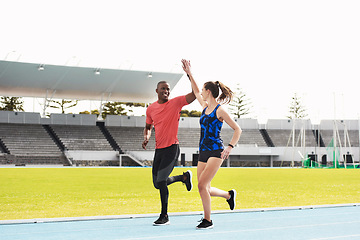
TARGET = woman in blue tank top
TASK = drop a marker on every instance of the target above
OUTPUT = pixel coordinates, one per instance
(212, 150)
(210, 131)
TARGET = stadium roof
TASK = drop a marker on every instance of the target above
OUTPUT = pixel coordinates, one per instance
(83, 83)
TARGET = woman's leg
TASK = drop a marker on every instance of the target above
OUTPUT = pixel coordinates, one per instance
(206, 172)
(215, 192)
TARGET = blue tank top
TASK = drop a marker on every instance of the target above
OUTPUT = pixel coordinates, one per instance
(210, 131)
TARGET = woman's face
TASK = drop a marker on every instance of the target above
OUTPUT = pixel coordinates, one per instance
(205, 93)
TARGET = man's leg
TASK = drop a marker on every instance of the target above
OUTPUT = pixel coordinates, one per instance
(163, 219)
(163, 165)
(185, 178)
(166, 166)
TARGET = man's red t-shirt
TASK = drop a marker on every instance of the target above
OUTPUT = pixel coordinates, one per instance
(165, 118)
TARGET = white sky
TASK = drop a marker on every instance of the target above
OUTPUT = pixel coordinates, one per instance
(273, 49)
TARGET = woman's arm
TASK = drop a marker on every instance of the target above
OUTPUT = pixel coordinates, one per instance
(194, 86)
(223, 115)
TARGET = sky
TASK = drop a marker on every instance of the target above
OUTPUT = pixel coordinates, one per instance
(271, 49)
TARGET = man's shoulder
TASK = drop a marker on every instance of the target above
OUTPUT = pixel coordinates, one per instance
(151, 105)
(150, 108)
(178, 99)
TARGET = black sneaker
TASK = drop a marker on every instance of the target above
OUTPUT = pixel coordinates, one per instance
(205, 224)
(231, 201)
(188, 181)
(162, 220)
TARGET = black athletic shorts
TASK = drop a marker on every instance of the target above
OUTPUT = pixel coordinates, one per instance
(205, 155)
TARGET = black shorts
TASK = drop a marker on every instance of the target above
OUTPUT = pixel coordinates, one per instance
(205, 155)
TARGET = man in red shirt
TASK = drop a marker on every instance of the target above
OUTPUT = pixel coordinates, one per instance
(164, 115)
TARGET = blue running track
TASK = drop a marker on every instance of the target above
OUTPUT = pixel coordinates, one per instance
(318, 222)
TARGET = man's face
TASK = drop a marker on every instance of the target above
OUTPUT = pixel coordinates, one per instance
(163, 91)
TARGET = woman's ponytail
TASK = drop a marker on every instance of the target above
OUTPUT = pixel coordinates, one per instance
(226, 93)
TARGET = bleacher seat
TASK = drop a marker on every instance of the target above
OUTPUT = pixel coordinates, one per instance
(30, 143)
(131, 138)
(328, 135)
(280, 137)
(79, 137)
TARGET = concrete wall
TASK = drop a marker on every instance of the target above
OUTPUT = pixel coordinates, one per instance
(92, 155)
(287, 124)
(34, 118)
(184, 122)
(73, 119)
(19, 117)
(125, 121)
(329, 124)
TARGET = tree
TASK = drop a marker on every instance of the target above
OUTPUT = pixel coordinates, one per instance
(63, 104)
(131, 106)
(184, 113)
(11, 104)
(119, 108)
(95, 112)
(192, 113)
(297, 111)
(240, 105)
(113, 108)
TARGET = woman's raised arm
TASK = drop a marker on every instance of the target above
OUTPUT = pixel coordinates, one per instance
(187, 68)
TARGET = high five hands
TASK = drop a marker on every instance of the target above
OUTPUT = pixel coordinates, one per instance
(186, 66)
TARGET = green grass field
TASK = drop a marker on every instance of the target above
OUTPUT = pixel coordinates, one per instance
(72, 192)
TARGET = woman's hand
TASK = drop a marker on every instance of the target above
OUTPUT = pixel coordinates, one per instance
(226, 152)
(186, 66)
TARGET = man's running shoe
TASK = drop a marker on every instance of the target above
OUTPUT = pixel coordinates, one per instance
(188, 180)
(205, 224)
(232, 200)
(162, 220)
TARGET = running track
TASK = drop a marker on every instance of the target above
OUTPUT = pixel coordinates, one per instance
(309, 222)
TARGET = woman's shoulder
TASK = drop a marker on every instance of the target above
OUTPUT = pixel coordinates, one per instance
(219, 108)
(220, 112)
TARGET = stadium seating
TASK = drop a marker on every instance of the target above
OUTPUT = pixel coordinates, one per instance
(79, 137)
(3, 159)
(280, 137)
(29, 143)
(327, 136)
(248, 137)
(189, 137)
(131, 138)
(46, 142)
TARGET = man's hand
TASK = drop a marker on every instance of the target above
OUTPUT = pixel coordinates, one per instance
(145, 142)
(147, 134)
